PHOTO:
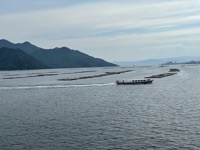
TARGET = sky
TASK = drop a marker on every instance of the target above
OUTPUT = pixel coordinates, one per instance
(115, 30)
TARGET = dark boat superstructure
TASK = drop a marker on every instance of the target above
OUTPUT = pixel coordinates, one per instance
(174, 70)
(118, 82)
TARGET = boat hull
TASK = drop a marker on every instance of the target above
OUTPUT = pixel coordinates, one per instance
(133, 82)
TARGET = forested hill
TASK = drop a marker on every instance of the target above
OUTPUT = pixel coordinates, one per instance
(57, 57)
(16, 59)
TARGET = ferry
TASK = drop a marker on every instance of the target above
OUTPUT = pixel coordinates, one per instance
(128, 82)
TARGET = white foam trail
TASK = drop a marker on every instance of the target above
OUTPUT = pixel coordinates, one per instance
(54, 86)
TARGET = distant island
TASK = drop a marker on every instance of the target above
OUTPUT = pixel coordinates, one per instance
(25, 56)
(182, 63)
(162, 61)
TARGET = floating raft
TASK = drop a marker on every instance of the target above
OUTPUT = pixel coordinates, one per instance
(162, 75)
(95, 76)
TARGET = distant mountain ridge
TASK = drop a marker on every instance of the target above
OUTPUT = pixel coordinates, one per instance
(26, 46)
(153, 62)
(57, 57)
(65, 57)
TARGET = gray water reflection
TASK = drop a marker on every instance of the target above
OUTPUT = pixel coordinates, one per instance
(45, 113)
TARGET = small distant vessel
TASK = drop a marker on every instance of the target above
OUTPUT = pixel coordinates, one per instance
(163, 65)
(128, 82)
(174, 70)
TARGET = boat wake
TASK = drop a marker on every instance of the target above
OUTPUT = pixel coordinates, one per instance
(54, 86)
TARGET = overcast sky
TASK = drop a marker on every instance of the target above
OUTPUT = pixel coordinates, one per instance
(115, 30)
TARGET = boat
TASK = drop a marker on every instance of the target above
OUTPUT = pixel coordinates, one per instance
(128, 82)
(174, 70)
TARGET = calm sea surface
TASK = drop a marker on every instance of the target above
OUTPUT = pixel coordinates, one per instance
(44, 113)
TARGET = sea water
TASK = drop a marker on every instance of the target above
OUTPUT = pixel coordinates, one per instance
(41, 112)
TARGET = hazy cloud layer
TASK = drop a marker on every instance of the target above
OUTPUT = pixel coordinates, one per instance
(113, 30)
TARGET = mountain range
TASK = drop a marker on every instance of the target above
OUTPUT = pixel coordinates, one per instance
(153, 62)
(25, 55)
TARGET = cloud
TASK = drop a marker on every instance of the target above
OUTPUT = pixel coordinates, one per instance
(138, 46)
(99, 28)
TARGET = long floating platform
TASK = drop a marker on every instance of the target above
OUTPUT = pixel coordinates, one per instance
(31, 76)
(162, 75)
(95, 76)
